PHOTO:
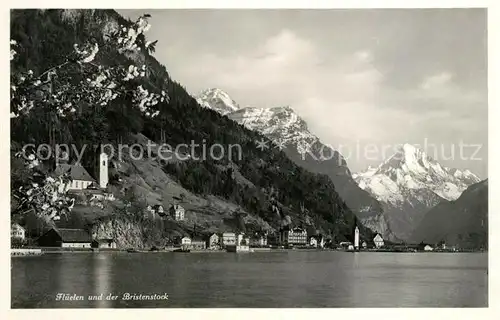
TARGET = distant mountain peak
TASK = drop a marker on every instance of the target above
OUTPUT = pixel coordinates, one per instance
(218, 100)
(411, 168)
(410, 182)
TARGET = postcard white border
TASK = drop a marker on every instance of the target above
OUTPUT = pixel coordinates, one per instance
(392, 313)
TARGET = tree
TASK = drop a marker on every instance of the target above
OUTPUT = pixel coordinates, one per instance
(84, 82)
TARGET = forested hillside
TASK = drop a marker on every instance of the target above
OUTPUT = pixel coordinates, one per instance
(45, 39)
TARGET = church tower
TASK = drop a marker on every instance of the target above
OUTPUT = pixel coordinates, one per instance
(356, 238)
(103, 170)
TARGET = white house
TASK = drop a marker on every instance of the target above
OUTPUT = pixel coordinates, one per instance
(228, 238)
(378, 241)
(313, 242)
(177, 212)
(317, 241)
(18, 232)
(213, 241)
(186, 241)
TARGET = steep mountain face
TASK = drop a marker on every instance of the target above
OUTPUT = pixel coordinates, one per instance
(463, 222)
(217, 100)
(409, 183)
(290, 133)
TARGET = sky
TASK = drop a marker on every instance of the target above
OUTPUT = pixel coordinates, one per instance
(365, 80)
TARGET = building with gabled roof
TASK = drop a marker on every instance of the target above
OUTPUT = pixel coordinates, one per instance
(378, 241)
(80, 177)
(65, 238)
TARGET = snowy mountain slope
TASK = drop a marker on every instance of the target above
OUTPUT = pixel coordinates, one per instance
(409, 183)
(217, 100)
(285, 127)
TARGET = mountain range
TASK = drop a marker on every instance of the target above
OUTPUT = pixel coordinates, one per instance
(391, 198)
(290, 132)
(410, 183)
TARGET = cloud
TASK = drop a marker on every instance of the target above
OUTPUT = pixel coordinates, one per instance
(343, 96)
(437, 81)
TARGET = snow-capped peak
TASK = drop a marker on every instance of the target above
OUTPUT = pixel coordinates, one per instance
(412, 168)
(218, 100)
(278, 123)
(409, 183)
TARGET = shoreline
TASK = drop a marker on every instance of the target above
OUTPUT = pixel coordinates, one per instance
(36, 251)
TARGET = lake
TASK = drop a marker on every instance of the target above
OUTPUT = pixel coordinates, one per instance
(260, 279)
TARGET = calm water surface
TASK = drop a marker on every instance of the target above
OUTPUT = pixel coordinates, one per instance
(267, 279)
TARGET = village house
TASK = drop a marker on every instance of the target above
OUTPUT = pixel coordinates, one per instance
(65, 238)
(182, 241)
(186, 241)
(295, 236)
(242, 240)
(198, 244)
(177, 212)
(317, 241)
(378, 241)
(17, 232)
(428, 248)
(228, 238)
(364, 245)
(104, 243)
(213, 241)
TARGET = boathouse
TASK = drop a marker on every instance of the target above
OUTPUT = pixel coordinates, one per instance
(65, 238)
